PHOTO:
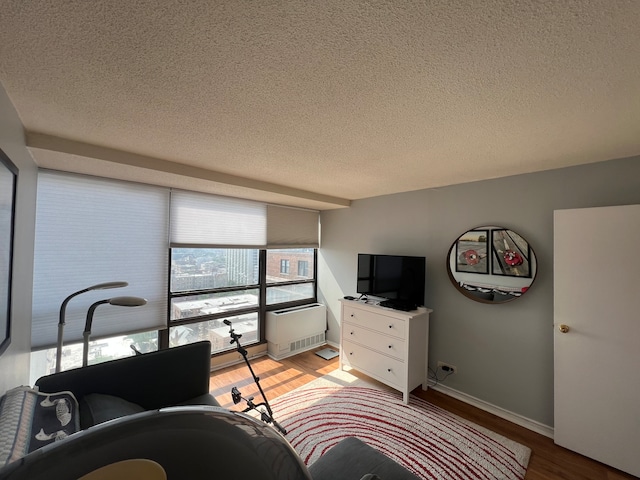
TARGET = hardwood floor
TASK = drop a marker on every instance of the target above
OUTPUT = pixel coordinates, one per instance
(548, 461)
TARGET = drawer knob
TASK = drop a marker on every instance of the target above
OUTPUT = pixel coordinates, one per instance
(390, 326)
(350, 333)
(389, 370)
(350, 353)
(390, 346)
(352, 315)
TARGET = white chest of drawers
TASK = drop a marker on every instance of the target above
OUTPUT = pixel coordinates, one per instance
(388, 345)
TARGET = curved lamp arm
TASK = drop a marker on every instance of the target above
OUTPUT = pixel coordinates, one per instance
(63, 311)
(119, 301)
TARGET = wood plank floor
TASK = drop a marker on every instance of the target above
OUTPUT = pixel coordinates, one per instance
(548, 461)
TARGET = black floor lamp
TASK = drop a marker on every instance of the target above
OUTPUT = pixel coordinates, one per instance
(63, 309)
(119, 301)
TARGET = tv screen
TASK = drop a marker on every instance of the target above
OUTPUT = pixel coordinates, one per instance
(394, 277)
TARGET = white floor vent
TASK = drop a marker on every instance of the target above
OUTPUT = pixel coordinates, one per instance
(295, 330)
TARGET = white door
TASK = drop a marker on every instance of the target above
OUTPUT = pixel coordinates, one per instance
(597, 361)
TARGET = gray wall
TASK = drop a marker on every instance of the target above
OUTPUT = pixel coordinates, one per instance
(14, 362)
(504, 353)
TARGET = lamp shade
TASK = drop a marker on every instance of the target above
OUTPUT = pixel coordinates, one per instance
(106, 285)
(127, 301)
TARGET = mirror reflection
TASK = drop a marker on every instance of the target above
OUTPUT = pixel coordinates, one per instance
(491, 264)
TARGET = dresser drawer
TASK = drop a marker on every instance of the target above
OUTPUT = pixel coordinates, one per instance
(374, 321)
(386, 369)
(392, 346)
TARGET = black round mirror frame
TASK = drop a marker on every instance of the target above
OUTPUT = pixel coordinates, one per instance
(491, 264)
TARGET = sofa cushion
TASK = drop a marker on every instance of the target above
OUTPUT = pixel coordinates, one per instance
(97, 408)
(352, 458)
(30, 419)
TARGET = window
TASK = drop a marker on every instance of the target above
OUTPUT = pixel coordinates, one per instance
(282, 287)
(217, 332)
(231, 259)
(303, 268)
(212, 268)
(302, 259)
(43, 362)
(209, 286)
(299, 293)
(284, 266)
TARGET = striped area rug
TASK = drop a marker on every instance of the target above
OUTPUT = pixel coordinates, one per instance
(427, 440)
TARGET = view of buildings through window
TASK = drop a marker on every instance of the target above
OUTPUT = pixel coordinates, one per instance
(217, 284)
(43, 362)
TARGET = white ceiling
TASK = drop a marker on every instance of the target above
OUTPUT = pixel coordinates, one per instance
(318, 103)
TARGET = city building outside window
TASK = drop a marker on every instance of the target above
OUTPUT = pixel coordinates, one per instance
(285, 287)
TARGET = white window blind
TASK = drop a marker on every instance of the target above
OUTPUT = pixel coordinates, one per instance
(202, 220)
(289, 227)
(90, 231)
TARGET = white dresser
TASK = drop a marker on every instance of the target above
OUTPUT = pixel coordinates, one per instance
(388, 345)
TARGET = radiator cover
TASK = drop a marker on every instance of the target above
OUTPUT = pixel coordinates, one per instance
(294, 330)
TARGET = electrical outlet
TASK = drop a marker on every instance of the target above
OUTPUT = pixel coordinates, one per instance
(445, 367)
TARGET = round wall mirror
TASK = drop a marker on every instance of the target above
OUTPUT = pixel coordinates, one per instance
(491, 264)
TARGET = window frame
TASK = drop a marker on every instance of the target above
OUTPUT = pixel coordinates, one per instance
(262, 308)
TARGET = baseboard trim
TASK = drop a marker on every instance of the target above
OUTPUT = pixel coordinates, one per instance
(532, 425)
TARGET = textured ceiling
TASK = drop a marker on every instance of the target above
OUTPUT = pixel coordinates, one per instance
(318, 103)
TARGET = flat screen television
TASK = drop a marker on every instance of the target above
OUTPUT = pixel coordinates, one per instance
(398, 278)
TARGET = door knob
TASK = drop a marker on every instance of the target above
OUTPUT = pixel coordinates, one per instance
(563, 328)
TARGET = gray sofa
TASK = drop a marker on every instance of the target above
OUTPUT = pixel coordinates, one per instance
(174, 376)
(352, 459)
(158, 406)
(198, 443)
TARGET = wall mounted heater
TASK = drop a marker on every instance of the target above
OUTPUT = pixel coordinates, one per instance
(296, 329)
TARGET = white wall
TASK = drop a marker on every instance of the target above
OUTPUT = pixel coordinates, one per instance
(14, 362)
(504, 352)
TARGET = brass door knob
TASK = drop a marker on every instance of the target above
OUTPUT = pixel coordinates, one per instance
(563, 328)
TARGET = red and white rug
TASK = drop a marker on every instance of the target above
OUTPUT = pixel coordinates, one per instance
(427, 440)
